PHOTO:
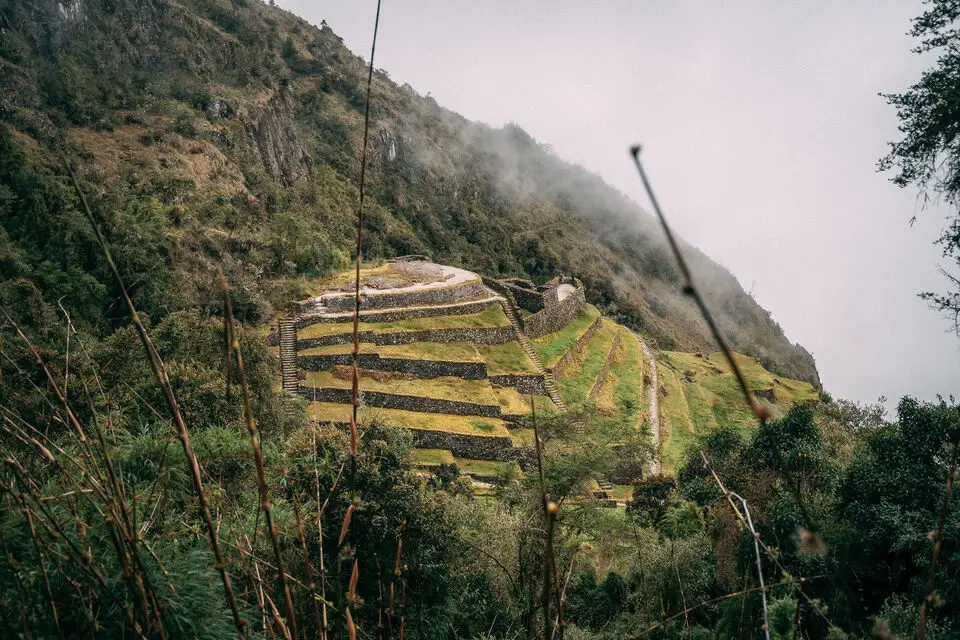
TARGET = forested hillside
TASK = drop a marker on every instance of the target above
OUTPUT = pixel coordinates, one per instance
(211, 132)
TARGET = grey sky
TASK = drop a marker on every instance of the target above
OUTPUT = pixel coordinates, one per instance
(761, 126)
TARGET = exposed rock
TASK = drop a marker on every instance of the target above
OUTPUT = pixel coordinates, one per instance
(280, 150)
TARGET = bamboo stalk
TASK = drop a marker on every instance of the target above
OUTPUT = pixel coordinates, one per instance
(160, 373)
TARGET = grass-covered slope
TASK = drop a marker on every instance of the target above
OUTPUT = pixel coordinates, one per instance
(699, 392)
(227, 132)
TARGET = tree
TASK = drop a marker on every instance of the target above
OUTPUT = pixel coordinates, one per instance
(928, 155)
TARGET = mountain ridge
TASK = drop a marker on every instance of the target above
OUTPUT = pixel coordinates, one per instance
(229, 133)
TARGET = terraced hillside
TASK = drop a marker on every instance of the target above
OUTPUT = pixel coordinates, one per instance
(462, 360)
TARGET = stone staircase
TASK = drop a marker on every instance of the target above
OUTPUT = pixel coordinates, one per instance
(527, 347)
(290, 380)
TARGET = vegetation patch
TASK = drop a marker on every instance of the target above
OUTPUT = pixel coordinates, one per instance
(487, 467)
(506, 359)
(627, 372)
(467, 425)
(576, 381)
(436, 351)
(431, 457)
(447, 388)
(553, 346)
(676, 428)
(516, 403)
(493, 316)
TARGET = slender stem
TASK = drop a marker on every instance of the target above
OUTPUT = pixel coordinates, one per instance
(690, 289)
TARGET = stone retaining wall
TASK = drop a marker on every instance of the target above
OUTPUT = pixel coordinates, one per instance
(556, 316)
(567, 359)
(414, 297)
(524, 383)
(400, 401)
(393, 315)
(420, 368)
(526, 298)
(605, 369)
(480, 335)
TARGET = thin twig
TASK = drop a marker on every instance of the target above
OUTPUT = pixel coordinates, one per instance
(760, 411)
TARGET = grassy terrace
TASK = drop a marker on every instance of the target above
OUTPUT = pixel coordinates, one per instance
(437, 351)
(552, 346)
(711, 395)
(513, 402)
(578, 379)
(447, 388)
(467, 425)
(436, 457)
(490, 317)
(431, 457)
(676, 428)
(621, 394)
(507, 358)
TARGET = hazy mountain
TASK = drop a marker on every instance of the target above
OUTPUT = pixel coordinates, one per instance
(214, 132)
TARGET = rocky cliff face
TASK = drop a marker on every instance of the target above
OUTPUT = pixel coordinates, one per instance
(244, 124)
(280, 150)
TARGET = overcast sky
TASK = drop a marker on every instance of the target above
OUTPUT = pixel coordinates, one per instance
(761, 128)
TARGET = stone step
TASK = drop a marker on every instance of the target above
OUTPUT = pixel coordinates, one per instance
(531, 353)
(289, 378)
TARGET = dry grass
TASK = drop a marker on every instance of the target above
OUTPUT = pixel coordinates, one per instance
(467, 425)
(491, 317)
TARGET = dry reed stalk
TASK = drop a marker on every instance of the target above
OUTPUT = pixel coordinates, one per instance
(306, 560)
(43, 571)
(254, 433)
(938, 539)
(160, 373)
(320, 510)
(689, 288)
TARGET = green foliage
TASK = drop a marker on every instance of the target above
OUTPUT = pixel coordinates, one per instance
(928, 154)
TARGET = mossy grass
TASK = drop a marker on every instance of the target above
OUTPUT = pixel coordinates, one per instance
(486, 467)
(522, 437)
(577, 380)
(516, 403)
(445, 388)
(431, 457)
(436, 351)
(506, 359)
(676, 427)
(492, 316)
(551, 347)
(712, 397)
(467, 425)
(626, 381)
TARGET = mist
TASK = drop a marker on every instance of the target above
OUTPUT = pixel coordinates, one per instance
(761, 127)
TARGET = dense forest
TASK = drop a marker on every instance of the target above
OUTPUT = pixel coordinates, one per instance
(156, 484)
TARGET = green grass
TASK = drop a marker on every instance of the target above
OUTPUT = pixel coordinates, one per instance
(626, 374)
(577, 380)
(514, 402)
(436, 351)
(467, 425)
(446, 388)
(491, 317)
(431, 457)
(676, 428)
(552, 346)
(486, 467)
(522, 437)
(507, 358)
(713, 397)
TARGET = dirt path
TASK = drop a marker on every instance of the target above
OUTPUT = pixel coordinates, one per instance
(653, 393)
(565, 290)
